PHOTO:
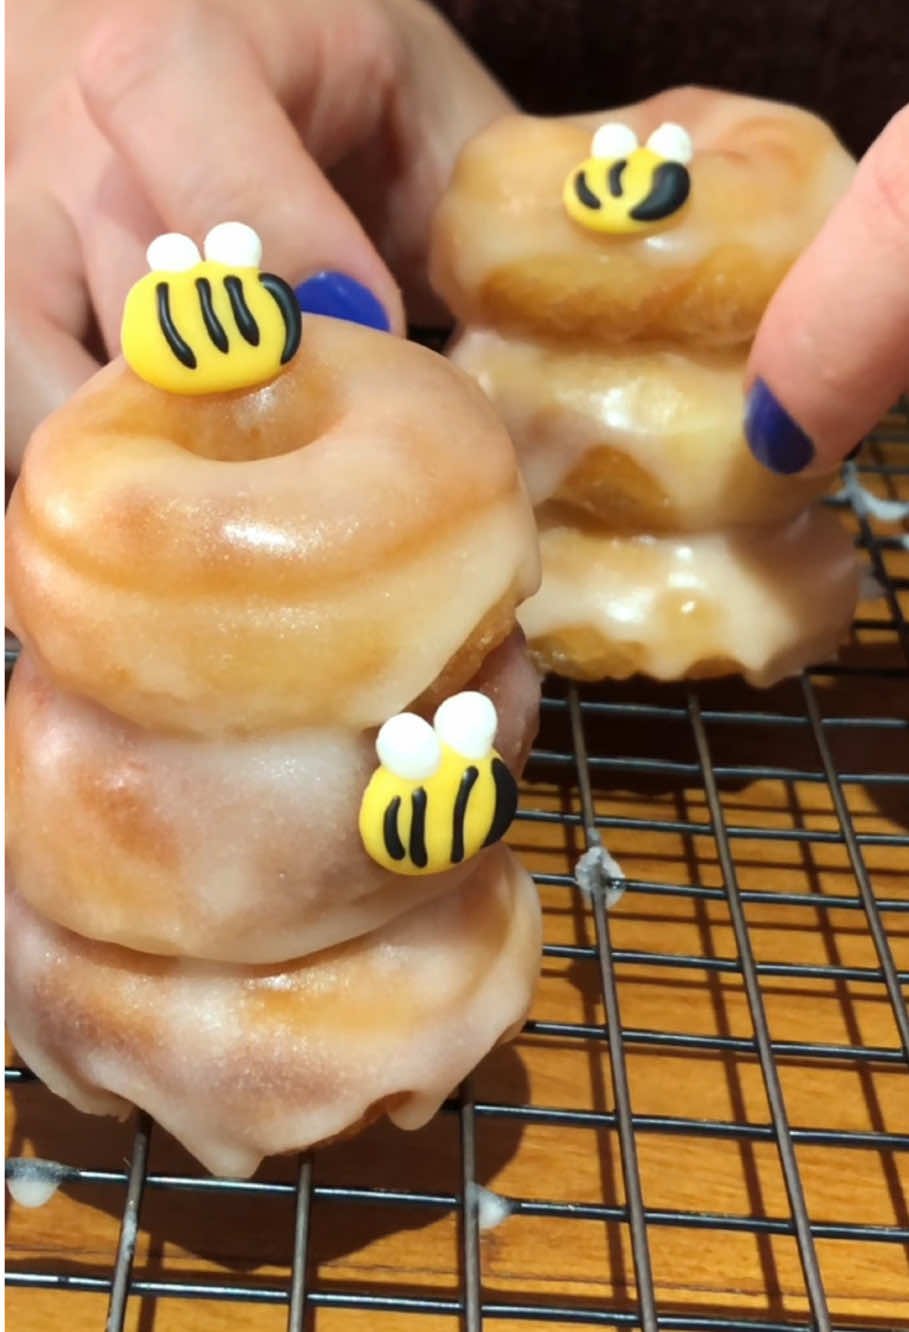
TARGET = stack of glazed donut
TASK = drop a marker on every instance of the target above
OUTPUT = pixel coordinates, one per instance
(607, 292)
(222, 592)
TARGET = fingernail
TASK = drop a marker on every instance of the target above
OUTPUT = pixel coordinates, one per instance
(773, 437)
(342, 297)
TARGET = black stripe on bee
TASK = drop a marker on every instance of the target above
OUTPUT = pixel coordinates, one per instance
(246, 322)
(418, 828)
(584, 192)
(180, 348)
(669, 190)
(213, 325)
(616, 171)
(506, 802)
(393, 844)
(290, 309)
(460, 810)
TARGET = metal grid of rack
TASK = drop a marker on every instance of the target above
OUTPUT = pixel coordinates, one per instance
(843, 716)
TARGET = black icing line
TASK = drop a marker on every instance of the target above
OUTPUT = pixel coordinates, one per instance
(418, 828)
(290, 312)
(584, 192)
(460, 810)
(393, 844)
(246, 323)
(213, 325)
(616, 171)
(506, 802)
(669, 190)
(180, 348)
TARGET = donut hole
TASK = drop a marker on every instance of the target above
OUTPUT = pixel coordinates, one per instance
(279, 417)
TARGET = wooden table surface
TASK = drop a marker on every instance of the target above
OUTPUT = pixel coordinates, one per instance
(566, 1260)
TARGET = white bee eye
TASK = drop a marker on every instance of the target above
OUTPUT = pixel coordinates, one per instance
(613, 140)
(409, 747)
(233, 243)
(172, 253)
(467, 722)
(672, 142)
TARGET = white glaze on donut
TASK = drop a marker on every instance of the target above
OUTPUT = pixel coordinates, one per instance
(641, 437)
(762, 601)
(244, 1062)
(237, 849)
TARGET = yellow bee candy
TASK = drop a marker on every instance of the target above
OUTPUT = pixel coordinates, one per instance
(195, 325)
(442, 792)
(624, 189)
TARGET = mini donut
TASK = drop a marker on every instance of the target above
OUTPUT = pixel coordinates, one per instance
(317, 550)
(241, 1062)
(505, 252)
(642, 438)
(760, 602)
(238, 849)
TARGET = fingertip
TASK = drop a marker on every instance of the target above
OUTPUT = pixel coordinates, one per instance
(774, 436)
(831, 355)
(342, 297)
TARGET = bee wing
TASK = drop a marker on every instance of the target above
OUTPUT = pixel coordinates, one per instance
(467, 722)
(614, 140)
(408, 747)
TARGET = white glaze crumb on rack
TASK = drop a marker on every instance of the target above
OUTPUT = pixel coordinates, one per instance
(492, 1208)
(32, 1182)
(595, 869)
(868, 505)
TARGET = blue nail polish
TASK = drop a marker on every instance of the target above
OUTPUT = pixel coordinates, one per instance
(773, 437)
(342, 297)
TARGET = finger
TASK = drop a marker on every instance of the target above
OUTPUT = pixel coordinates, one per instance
(115, 222)
(181, 94)
(443, 96)
(66, 158)
(47, 317)
(832, 352)
(46, 364)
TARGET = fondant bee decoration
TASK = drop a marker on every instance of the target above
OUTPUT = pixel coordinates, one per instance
(624, 189)
(195, 325)
(441, 792)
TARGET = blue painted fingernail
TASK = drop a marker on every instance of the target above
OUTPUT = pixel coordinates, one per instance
(773, 437)
(342, 297)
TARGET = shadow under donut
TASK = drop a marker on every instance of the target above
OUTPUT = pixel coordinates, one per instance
(752, 733)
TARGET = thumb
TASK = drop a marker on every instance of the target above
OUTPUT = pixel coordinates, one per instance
(831, 355)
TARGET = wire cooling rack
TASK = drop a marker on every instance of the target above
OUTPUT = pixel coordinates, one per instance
(705, 1124)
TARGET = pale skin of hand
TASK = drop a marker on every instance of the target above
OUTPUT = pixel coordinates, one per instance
(331, 128)
(834, 342)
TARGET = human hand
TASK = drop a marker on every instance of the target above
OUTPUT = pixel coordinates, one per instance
(832, 351)
(331, 128)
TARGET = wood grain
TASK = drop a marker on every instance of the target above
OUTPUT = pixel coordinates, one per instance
(567, 1261)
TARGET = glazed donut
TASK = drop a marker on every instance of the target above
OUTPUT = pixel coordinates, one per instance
(317, 550)
(242, 849)
(760, 602)
(608, 287)
(640, 437)
(240, 1062)
(229, 559)
(506, 254)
